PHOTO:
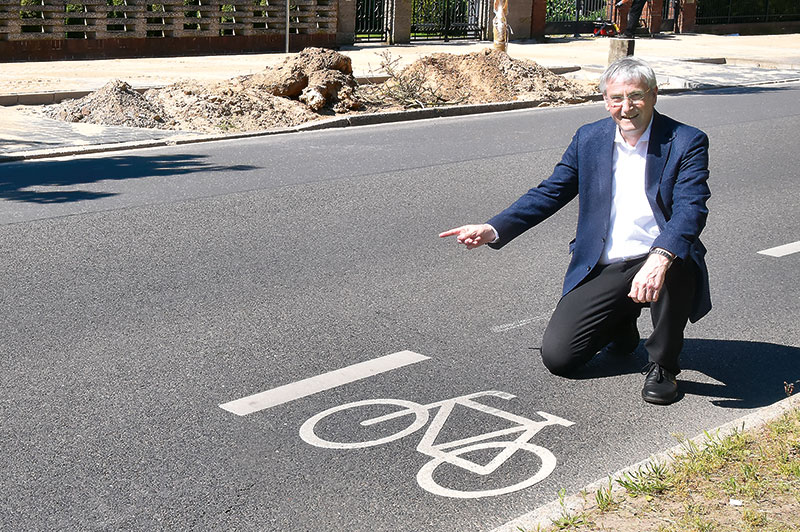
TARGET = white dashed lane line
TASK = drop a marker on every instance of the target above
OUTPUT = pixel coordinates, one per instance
(519, 323)
(320, 383)
(782, 251)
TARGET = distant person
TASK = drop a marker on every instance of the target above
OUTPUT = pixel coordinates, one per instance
(642, 182)
(633, 18)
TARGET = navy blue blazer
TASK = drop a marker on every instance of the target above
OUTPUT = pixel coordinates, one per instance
(676, 181)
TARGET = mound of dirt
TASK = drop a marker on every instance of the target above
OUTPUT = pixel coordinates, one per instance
(291, 94)
(115, 104)
(318, 82)
(493, 76)
(316, 76)
(229, 106)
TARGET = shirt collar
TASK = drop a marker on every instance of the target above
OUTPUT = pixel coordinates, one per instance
(619, 139)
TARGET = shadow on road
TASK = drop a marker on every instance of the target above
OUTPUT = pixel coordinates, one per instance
(55, 181)
(749, 374)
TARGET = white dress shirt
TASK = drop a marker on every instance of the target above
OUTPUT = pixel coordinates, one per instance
(632, 227)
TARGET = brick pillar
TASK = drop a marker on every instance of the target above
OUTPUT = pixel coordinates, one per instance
(655, 15)
(538, 18)
(520, 18)
(621, 16)
(401, 22)
(346, 22)
(651, 15)
(687, 19)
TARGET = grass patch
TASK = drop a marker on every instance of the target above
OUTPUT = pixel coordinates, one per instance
(744, 482)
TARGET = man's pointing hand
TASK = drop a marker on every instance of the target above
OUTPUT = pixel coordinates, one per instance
(473, 235)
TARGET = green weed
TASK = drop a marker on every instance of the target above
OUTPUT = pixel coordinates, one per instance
(604, 497)
(648, 480)
(568, 520)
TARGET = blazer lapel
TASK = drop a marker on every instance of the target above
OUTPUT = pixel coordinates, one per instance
(657, 154)
(603, 168)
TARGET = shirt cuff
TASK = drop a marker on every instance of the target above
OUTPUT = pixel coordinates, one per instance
(496, 236)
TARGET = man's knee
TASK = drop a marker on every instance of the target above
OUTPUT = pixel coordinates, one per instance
(557, 356)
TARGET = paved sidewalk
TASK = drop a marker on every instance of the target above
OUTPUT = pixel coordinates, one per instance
(680, 61)
(22, 134)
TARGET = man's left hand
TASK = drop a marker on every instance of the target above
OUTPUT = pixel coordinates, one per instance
(647, 283)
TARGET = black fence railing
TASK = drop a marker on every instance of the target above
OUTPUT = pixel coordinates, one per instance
(571, 16)
(669, 13)
(449, 19)
(565, 10)
(747, 11)
(372, 20)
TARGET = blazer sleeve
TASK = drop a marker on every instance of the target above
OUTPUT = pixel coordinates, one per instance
(539, 202)
(688, 212)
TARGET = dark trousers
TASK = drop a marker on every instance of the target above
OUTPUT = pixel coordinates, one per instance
(599, 310)
(633, 15)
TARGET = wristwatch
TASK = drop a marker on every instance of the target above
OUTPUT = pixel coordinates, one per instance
(663, 253)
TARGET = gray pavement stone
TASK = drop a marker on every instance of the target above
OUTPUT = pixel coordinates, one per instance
(24, 133)
(712, 74)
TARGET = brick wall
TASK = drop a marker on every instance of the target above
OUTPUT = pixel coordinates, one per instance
(49, 30)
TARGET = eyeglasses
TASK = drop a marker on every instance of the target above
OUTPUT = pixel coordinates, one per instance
(634, 98)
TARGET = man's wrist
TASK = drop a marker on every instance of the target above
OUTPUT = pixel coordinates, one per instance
(495, 235)
(663, 253)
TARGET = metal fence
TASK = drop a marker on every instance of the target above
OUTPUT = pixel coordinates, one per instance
(372, 22)
(747, 11)
(669, 14)
(575, 16)
(449, 19)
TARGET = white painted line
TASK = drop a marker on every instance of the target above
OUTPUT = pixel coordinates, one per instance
(780, 251)
(320, 383)
(517, 324)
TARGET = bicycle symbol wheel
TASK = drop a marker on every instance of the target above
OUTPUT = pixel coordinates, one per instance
(420, 418)
(426, 481)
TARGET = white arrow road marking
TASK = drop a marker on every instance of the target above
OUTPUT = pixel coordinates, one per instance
(320, 383)
(780, 251)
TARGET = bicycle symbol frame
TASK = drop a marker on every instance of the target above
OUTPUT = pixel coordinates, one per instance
(450, 452)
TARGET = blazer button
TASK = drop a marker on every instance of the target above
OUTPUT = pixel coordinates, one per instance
(588, 268)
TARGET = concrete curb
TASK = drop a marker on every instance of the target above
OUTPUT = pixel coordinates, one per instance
(761, 63)
(576, 503)
(346, 121)
(366, 119)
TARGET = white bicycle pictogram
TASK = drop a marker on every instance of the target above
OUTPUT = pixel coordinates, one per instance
(450, 452)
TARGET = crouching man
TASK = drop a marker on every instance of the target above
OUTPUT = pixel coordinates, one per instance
(642, 181)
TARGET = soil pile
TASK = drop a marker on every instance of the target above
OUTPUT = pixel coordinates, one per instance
(493, 76)
(230, 106)
(116, 104)
(316, 83)
(312, 82)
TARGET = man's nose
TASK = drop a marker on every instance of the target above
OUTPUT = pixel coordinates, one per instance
(626, 105)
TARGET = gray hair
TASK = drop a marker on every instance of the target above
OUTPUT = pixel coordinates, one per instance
(628, 69)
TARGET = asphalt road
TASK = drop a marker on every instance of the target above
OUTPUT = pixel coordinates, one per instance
(144, 289)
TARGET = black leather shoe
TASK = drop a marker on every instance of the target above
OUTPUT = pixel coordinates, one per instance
(626, 344)
(660, 386)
